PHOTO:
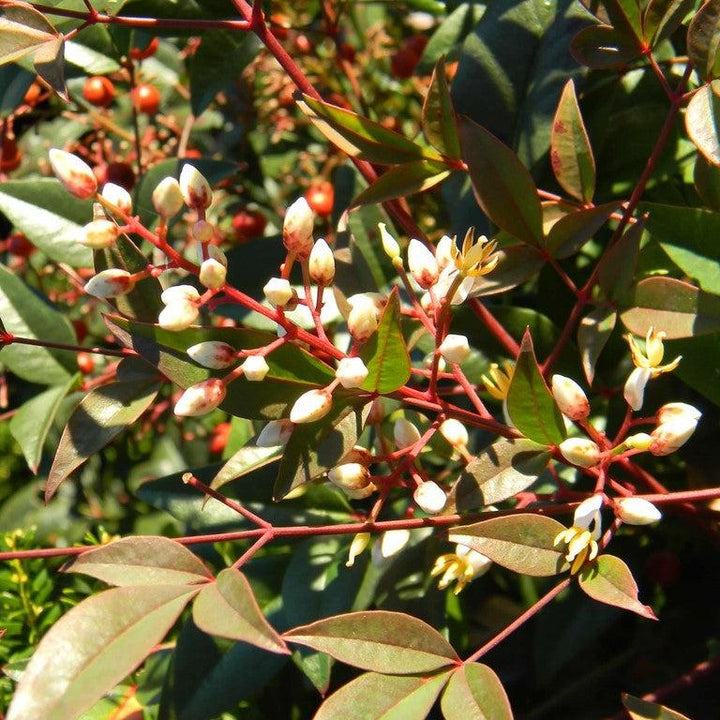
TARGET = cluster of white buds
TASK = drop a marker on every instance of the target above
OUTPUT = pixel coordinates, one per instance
(110, 283)
(213, 354)
(201, 398)
(181, 307)
(298, 229)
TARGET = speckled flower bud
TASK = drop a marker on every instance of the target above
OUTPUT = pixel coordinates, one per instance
(363, 317)
(670, 436)
(99, 234)
(202, 231)
(430, 497)
(201, 398)
(167, 198)
(278, 292)
(110, 284)
(321, 264)
(195, 189)
(76, 176)
(118, 196)
(255, 368)
(422, 264)
(298, 229)
(311, 406)
(580, 451)
(212, 273)
(570, 398)
(213, 354)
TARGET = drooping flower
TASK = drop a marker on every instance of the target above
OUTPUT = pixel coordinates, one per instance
(460, 567)
(497, 381)
(581, 538)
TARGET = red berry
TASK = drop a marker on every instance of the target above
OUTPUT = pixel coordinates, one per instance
(403, 63)
(32, 95)
(121, 174)
(280, 25)
(219, 438)
(18, 244)
(321, 197)
(148, 51)
(10, 154)
(192, 153)
(81, 329)
(248, 224)
(85, 363)
(346, 52)
(146, 99)
(303, 44)
(99, 91)
(417, 44)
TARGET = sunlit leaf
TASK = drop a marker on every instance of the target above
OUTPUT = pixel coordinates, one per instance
(703, 40)
(517, 263)
(640, 709)
(616, 269)
(246, 460)
(23, 30)
(403, 180)
(593, 333)
(438, 118)
(574, 229)
(475, 691)
(663, 17)
(702, 118)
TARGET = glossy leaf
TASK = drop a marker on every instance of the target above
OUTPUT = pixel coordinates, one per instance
(707, 182)
(403, 180)
(663, 17)
(530, 403)
(594, 331)
(610, 581)
(602, 47)
(23, 30)
(573, 230)
(110, 635)
(102, 415)
(245, 461)
(14, 83)
(701, 121)
(673, 306)
(438, 117)
(625, 16)
(497, 473)
(703, 40)
(522, 543)
(228, 608)
(518, 263)
(381, 641)
(640, 709)
(383, 697)
(503, 187)
(49, 64)
(141, 561)
(616, 269)
(475, 691)
(570, 152)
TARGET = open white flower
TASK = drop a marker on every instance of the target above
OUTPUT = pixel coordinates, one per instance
(582, 537)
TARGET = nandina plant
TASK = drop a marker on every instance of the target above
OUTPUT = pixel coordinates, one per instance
(376, 346)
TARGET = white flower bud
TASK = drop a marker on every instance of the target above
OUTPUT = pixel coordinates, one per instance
(351, 372)
(391, 543)
(118, 196)
(195, 189)
(422, 264)
(672, 435)
(405, 433)
(588, 511)
(203, 231)
(311, 406)
(178, 315)
(167, 198)
(321, 265)
(634, 390)
(298, 229)
(278, 292)
(443, 252)
(420, 21)
(213, 354)
(110, 283)
(389, 243)
(430, 497)
(580, 451)
(363, 317)
(99, 234)
(638, 441)
(570, 398)
(76, 176)
(353, 479)
(212, 274)
(636, 511)
(178, 293)
(275, 433)
(455, 348)
(255, 368)
(480, 563)
(454, 432)
(357, 547)
(677, 411)
(200, 398)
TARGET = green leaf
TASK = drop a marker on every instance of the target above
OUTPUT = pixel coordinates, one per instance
(14, 83)
(26, 315)
(475, 691)
(610, 581)
(93, 51)
(385, 353)
(141, 560)
(602, 47)
(383, 697)
(438, 117)
(573, 230)
(50, 217)
(403, 180)
(625, 16)
(707, 182)
(245, 461)
(703, 40)
(386, 642)
(616, 269)
(676, 307)
(570, 152)
(110, 635)
(49, 64)
(522, 543)
(498, 473)
(502, 185)
(530, 403)
(228, 608)
(701, 121)
(640, 709)
(102, 415)
(34, 418)
(518, 263)
(593, 333)
(663, 17)
(23, 30)
(362, 138)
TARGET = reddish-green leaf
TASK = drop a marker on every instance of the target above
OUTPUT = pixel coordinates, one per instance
(385, 353)
(438, 117)
(246, 460)
(498, 473)
(384, 642)
(601, 46)
(702, 118)
(403, 180)
(574, 229)
(502, 185)
(227, 608)
(23, 30)
(616, 270)
(640, 709)
(703, 40)
(93, 647)
(475, 692)
(530, 403)
(383, 697)
(610, 581)
(142, 561)
(518, 263)
(570, 152)
(593, 333)
(522, 543)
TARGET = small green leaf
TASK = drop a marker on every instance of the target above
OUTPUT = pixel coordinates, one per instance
(475, 691)
(573, 230)
(141, 561)
(610, 581)
(702, 118)
(593, 333)
(625, 16)
(640, 709)
(497, 473)
(530, 403)
(663, 17)
(570, 152)
(438, 117)
(111, 634)
(245, 461)
(522, 543)
(517, 263)
(381, 641)
(403, 180)
(14, 83)
(227, 608)
(503, 187)
(616, 269)
(601, 47)
(703, 40)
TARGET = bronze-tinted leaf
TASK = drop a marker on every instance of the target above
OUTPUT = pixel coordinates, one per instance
(475, 691)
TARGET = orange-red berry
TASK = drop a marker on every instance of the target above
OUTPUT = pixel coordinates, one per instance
(99, 91)
(146, 99)
(148, 51)
(85, 363)
(321, 197)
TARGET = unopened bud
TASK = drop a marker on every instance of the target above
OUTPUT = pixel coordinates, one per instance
(634, 390)
(363, 317)
(638, 441)
(178, 293)
(195, 189)
(422, 264)
(311, 406)
(212, 274)
(203, 231)
(636, 511)
(321, 265)
(213, 354)
(570, 398)
(357, 454)
(677, 411)
(455, 348)
(99, 234)
(353, 479)
(405, 433)
(391, 543)
(351, 372)
(118, 196)
(670, 436)
(110, 283)
(443, 251)
(430, 497)
(178, 315)
(275, 433)
(278, 292)
(255, 368)
(298, 229)
(76, 175)
(389, 243)
(580, 451)
(358, 546)
(454, 432)
(201, 398)
(167, 198)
